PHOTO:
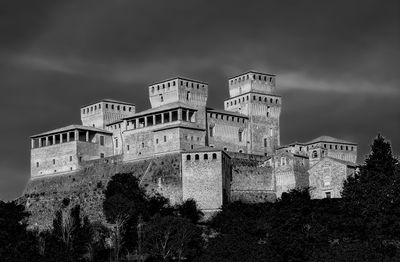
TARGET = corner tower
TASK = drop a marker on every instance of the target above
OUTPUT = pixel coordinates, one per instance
(254, 94)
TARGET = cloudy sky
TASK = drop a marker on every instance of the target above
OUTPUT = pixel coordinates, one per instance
(337, 63)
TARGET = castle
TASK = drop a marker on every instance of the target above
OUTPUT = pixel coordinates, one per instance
(207, 140)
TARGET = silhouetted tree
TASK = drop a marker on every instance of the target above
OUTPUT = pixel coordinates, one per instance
(16, 243)
(188, 209)
(372, 196)
(171, 237)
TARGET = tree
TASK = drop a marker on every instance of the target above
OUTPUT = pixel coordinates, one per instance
(16, 243)
(372, 196)
(123, 197)
(71, 236)
(189, 210)
(171, 237)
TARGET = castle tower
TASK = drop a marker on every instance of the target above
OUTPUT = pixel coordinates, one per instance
(180, 90)
(106, 111)
(253, 94)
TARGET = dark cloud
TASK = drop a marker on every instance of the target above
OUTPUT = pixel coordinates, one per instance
(336, 63)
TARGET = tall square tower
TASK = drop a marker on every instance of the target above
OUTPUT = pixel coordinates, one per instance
(254, 94)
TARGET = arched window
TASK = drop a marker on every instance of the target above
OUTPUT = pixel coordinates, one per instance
(196, 157)
(314, 154)
(205, 156)
(240, 134)
(187, 157)
(161, 98)
(271, 101)
(214, 156)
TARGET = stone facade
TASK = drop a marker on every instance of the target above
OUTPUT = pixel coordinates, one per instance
(206, 178)
(251, 164)
(327, 176)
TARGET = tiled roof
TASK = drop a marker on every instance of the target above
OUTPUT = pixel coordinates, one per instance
(348, 163)
(329, 139)
(72, 127)
(221, 111)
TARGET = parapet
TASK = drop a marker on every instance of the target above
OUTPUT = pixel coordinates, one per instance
(252, 81)
(178, 89)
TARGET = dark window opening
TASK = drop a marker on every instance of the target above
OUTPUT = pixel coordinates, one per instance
(328, 194)
(188, 157)
(205, 156)
(214, 156)
(196, 157)
(101, 155)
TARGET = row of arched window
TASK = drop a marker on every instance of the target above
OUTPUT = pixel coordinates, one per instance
(251, 76)
(205, 157)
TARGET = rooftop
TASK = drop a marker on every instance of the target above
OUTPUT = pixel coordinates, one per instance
(329, 139)
(178, 78)
(225, 112)
(348, 163)
(156, 110)
(206, 149)
(109, 101)
(72, 127)
(252, 71)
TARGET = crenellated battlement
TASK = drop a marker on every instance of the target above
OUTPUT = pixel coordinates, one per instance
(252, 82)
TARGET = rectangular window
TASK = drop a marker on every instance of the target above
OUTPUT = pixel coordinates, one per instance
(102, 140)
(211, 131)
(101, 155)
(165, 138)
(70, 158)
(265, 142)
(127, 147)
(328, 194)
(37, 164)
(240, 136)
(54, 161)
(116, 142)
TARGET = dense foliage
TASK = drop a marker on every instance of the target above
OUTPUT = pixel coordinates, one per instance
(361, 226)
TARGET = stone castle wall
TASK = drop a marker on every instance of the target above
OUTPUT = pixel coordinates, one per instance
(43, 196)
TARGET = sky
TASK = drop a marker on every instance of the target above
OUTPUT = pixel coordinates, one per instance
(337, 63)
